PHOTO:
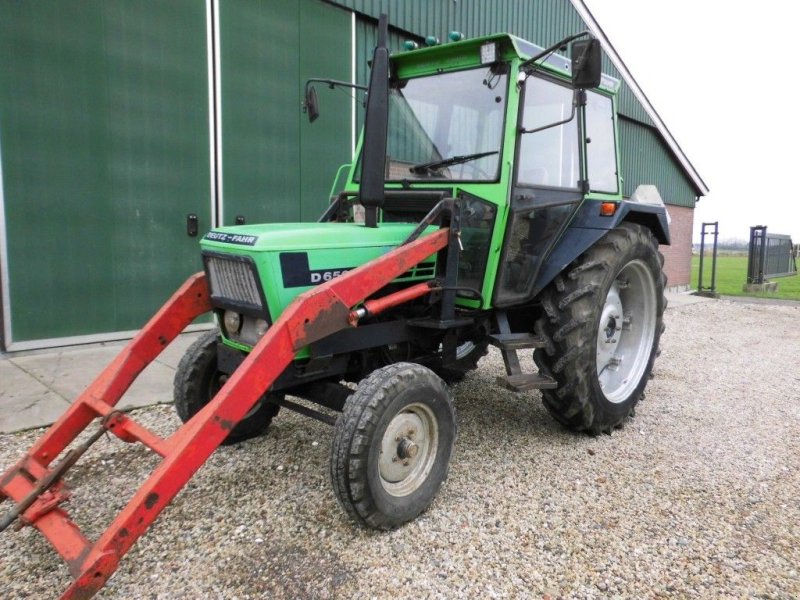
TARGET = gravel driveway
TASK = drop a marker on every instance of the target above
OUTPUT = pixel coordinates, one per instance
(698, 496)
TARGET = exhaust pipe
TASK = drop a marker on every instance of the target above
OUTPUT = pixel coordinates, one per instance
(376, 124)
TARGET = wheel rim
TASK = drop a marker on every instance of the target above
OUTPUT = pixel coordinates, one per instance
(408, 450)
(626, 331)
(465, 349)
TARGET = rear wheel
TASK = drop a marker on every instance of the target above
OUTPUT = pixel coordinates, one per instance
(392, 444)
(602, 322)
(197, 381)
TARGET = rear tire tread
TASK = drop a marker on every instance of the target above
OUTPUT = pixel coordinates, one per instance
(569, 352)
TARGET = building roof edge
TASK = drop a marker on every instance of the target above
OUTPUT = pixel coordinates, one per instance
(680, 155)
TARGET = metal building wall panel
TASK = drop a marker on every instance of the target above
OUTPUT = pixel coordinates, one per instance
(325, 51)
(104, 126)
(628, 104)
(276, 166)
(260, 96)
(645, 160)
(542, 21)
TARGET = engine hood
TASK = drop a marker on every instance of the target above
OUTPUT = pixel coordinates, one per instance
(305, 236)
(262, 268)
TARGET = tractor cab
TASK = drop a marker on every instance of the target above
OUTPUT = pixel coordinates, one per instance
(500, 125)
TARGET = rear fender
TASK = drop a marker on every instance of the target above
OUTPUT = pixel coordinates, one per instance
(588, 226)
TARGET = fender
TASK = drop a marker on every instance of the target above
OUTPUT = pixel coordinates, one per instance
(588, 226)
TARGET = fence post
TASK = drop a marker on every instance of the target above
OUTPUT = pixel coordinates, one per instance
(711, 292)
(714, 260)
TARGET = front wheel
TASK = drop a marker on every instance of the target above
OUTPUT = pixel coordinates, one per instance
(602, 322)
(197, 381)
(392, 444)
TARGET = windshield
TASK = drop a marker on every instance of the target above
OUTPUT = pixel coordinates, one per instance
(447, 126)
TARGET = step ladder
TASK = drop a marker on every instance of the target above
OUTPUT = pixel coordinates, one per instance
(508, 342)
(35, 484)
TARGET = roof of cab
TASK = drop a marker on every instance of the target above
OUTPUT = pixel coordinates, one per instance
(466, 53)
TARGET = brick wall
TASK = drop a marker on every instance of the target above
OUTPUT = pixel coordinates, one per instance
(678, 256)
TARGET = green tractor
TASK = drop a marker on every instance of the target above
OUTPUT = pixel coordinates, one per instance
(510, 148)
(484, 207)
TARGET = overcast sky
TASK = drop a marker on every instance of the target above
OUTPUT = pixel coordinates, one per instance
(724, 77)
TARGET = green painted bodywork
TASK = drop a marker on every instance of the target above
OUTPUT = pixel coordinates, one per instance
(331, 247)
(463, 55)
(347, 245)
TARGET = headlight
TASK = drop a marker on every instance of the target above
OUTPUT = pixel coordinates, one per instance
(232, 322)
(261, 327)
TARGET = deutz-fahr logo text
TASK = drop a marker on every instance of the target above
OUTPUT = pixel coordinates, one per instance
(296, 272)
(231, 238)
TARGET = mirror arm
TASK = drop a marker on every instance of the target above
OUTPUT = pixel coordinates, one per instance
(577, 99)
(332, 83)
(529, 65)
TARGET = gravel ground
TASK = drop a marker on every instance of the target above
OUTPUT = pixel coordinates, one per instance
(698, 496)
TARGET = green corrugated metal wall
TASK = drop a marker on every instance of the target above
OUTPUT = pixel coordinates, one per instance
(277, 166)
(105, 137)
(104, 133)
(543, 22)
(643, 154)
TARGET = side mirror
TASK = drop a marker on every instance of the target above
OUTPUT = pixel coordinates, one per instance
(311, 106)
(586, 63)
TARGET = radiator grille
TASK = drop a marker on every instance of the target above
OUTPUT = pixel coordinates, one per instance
(234, 281)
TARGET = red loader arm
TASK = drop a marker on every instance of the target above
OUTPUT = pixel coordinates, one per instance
(38, 488)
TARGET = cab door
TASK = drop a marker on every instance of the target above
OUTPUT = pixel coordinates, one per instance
(547, 186)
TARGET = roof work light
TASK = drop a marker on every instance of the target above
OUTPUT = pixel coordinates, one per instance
(488, 53)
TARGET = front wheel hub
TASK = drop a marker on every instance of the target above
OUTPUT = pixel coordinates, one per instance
(408, 450)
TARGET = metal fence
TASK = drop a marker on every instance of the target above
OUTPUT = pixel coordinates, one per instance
(770, 255)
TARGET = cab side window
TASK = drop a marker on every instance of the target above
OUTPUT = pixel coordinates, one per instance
(601, 155)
